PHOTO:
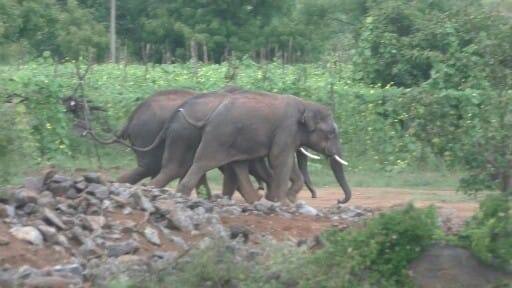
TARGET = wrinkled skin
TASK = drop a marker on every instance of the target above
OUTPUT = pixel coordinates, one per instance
(232, 127)
(146, 122)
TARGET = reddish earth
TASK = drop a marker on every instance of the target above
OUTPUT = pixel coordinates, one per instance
(453, 210)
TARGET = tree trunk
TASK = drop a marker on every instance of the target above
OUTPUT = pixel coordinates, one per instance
(113, 31)
(205, 53)
(193, 50)
(226, 54)
(290, 49)
(262, 55)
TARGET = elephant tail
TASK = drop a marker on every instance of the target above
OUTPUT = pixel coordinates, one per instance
(115, 138)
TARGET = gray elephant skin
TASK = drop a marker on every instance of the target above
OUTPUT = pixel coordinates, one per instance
(211, 130)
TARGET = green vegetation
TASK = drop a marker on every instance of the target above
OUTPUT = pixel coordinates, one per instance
(414, 85)
(489, 232)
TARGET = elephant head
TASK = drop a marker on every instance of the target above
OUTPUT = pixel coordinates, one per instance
(319, 132)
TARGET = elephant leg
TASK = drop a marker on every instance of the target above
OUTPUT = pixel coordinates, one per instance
(134, 176)
(260, 184)
(246, 188)
(260, 170)
(297, 182)
(229, 184)
(174, 165)
(180, 147)
(204, 182)
(281, 165)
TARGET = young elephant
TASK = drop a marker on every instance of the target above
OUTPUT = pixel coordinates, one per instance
(223, 128)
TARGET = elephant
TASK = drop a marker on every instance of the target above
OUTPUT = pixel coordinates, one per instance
(214, 129)
(148, 119)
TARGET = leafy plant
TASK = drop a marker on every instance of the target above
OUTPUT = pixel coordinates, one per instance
(489, 232)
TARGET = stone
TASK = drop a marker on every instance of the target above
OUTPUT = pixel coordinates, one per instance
(152, 236)
(60, 179)
(174, 239)
(119, 200)
(265, 206)
(79, 234)
(194, 204)
(236, 231)
(95, 223)
(7, 277)
(351, 212)
(231, 211)
(70, 269)
(25, 272)
(81, 185)
(97, 190)
(49, 233)
(4, 241)
(51, 217)
(6, 211)
(305, 209)
(180, 220)
(165, 206)
(28, 234)
(121, 248)
(50, 282)
(94, 178)
(59, 188)
(89, 250)
(72, 193)
(25, 196)
(30, 208)
(46, 199)
(63, 241)
(143, 202)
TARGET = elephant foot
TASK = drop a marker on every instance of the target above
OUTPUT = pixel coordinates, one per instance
(253, 198)
(292, 198)
(271, 198)
(285, 203)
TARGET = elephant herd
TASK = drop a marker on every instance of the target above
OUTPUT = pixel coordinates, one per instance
(182, 134)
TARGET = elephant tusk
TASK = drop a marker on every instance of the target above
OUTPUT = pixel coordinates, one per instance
(340, 160)
(308, 154)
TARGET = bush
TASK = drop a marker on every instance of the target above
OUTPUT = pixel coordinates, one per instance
(489, 232)
(376, 255)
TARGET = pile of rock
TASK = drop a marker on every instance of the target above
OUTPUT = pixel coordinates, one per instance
(115, 230)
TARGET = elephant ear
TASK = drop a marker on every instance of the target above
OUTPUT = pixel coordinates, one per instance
(308, 119)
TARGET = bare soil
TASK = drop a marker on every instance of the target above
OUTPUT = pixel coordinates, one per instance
(452, 209)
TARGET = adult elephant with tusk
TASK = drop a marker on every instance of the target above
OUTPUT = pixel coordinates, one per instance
(245, 125)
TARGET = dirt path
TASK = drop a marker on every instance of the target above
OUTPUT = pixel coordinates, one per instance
(454, 208)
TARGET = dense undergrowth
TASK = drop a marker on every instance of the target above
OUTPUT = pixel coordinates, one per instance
(383, 130)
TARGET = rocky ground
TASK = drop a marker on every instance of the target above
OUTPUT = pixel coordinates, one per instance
(58, 231)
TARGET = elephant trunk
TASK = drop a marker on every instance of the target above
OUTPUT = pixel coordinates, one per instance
(337, 169)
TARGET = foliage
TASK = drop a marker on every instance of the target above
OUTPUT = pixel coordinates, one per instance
(407, 43)
(377, 255)
(390, 129)
(489, 232)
